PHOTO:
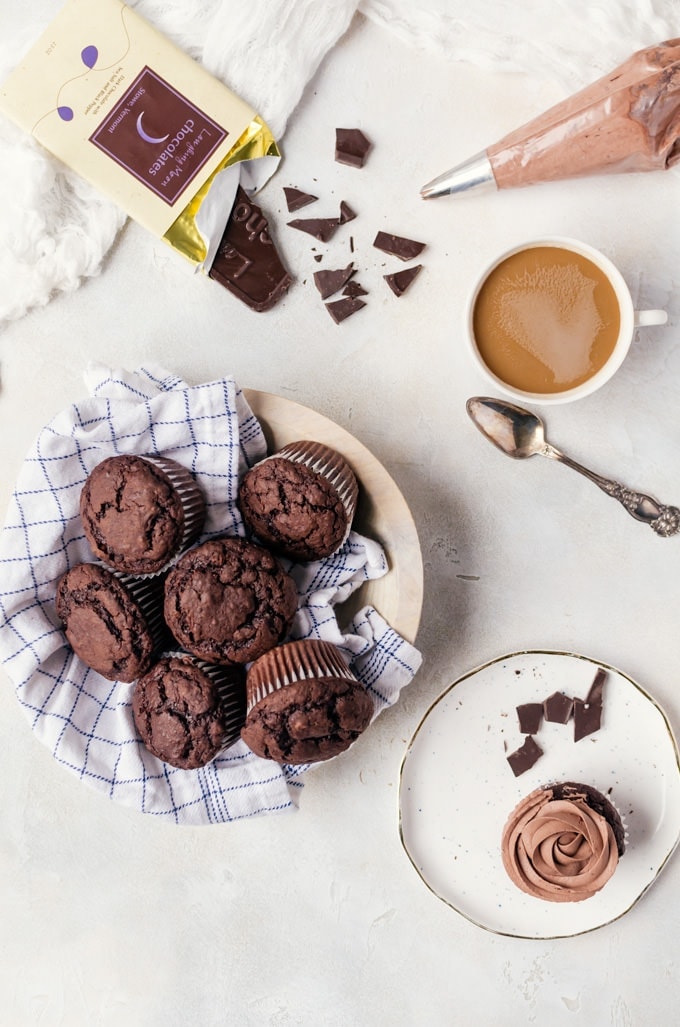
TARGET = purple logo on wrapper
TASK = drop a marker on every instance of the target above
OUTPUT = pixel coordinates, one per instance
(158, 136)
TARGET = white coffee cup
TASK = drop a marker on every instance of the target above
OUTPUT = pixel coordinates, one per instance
(629, 320)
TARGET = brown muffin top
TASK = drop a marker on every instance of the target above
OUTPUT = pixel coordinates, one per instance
(103, 624)
(229, 601)
(308, 720)
(179, 714)
(293, 509)
(131, 514)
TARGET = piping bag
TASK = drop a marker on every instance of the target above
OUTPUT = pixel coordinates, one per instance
(629, 120)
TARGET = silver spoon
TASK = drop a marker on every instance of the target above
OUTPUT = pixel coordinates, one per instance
(520, 434)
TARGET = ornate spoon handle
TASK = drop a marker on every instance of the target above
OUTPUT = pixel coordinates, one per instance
(664, 520)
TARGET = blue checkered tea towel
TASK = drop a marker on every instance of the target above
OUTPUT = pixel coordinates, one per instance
(86, 720)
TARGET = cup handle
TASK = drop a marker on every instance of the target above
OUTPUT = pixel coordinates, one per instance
(643, 318)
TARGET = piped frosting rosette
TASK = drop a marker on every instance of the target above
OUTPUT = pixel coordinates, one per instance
(562, 842)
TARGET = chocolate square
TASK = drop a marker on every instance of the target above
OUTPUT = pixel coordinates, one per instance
(557, 708)
(523, 759)
(530, 715)
(351, 147)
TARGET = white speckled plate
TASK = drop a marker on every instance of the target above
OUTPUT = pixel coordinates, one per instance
(457, 789)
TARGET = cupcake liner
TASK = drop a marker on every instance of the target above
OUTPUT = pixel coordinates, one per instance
(231, 688)
(146, 590)
(291, 662)
(191, 498)
(329, 464)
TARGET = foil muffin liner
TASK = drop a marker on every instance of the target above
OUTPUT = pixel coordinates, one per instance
(294, 661)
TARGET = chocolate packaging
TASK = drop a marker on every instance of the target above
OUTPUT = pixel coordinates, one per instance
(115, 100)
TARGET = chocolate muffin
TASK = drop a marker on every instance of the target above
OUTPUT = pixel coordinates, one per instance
(304, 704)
(113, 625)
(186, 711)
(300, 501)
(229, 601)
(562, 843)
(139, 512)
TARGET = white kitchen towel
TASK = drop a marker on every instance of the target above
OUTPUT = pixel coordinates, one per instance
(56, 230)
(86, 720)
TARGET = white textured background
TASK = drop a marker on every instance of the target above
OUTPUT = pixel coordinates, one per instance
(317, 918)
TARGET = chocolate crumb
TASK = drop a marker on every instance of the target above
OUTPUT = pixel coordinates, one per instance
(399, 281)
(523, 759)
(340, 310)
(295, 198)
(318, 257)
(397, 246)
(351, 147)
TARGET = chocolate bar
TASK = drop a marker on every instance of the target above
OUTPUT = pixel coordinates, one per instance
(247, 263)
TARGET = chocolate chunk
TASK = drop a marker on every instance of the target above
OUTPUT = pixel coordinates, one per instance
(354, 289)
(351, 147)
(318, 257)
(346, 213)
(247, 263)
(597, 687)
(400, 280)
(295, 198)
(396, 246)
(523, 759)
(322, 229)
(588, 711)
(328, 282)
(557, 708)
(529, 716)
(340, 310)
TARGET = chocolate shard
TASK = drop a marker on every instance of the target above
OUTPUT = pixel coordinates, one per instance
(322, 229)
(354, 289)
(529, 716)
(597, 687)
(247, 263)
(340, 310)
(557, 708)
(397, 246)
(318, 257)
(523, 759)
(399, 281)
(346, 213)
(331, 281)
(588, 711)
(587, 718)
(351, 147)
(295, 198)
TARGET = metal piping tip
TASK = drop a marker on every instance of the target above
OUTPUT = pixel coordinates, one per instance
(474, 173)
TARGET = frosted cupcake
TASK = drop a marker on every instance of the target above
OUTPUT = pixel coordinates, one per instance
(562, 842)
(138, 512)
(304, 704)
(300, 501)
